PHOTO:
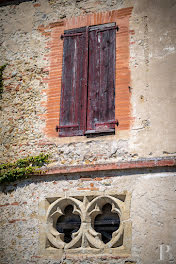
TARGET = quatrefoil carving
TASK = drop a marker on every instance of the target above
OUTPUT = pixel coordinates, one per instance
(85, 212)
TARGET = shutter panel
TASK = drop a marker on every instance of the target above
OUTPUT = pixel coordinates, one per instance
(101, 79)
(74, 83)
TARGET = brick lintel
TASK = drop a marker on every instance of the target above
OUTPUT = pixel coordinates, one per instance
(141, 163)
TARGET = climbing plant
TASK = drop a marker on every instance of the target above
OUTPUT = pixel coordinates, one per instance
(22, 168)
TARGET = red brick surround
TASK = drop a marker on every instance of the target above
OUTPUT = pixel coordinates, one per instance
(122, 94)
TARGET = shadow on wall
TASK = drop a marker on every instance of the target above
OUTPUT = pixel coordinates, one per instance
(12, 2)
(10, 187)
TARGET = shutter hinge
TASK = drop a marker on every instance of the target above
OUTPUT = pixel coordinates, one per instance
(115, 122)
(66, 126)
(109, 28)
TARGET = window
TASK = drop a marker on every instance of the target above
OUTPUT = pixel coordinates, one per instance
(88, 81)
(89, 223)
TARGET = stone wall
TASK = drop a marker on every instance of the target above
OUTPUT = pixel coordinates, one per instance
(24, 47)
(152, 213)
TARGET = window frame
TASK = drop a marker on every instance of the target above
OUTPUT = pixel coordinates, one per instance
(54, 45)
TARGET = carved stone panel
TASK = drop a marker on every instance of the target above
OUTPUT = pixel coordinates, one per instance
(85, 223)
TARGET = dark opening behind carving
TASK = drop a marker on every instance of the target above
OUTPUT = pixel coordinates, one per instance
(68, 223)
(106, 223)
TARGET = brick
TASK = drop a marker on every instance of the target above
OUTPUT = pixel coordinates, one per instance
(15, 203)
(98, 179)
(2, 205)
(54, 182)
(83, 189)
(37, 5)
(46, 34)
(41, 27)
(57, 24)
(94, 189)
(16, 220)
(52, 115)
(86, 179)
(36, 257)
(12, 221)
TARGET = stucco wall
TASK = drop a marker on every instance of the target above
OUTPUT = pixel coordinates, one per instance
(152, 213)
(151, 62)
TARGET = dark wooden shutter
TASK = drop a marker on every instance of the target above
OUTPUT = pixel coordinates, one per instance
(101, 79)
(74, 83)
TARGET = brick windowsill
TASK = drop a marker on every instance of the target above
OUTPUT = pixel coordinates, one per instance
(141, 163)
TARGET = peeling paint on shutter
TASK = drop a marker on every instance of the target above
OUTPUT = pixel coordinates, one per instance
(74, 83)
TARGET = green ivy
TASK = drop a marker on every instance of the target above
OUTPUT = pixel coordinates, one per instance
(22, 168)
(1, 78)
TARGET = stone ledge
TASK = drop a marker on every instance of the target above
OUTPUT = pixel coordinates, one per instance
(141, 163)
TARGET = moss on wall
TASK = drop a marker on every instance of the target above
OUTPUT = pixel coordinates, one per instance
(22, 168)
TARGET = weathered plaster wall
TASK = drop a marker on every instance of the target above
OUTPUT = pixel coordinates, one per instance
(152, 213)
(152, 133)
(152, 56)
(153, 96)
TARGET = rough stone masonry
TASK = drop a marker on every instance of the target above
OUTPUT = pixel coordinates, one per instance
(151, 63)
(139, 159)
